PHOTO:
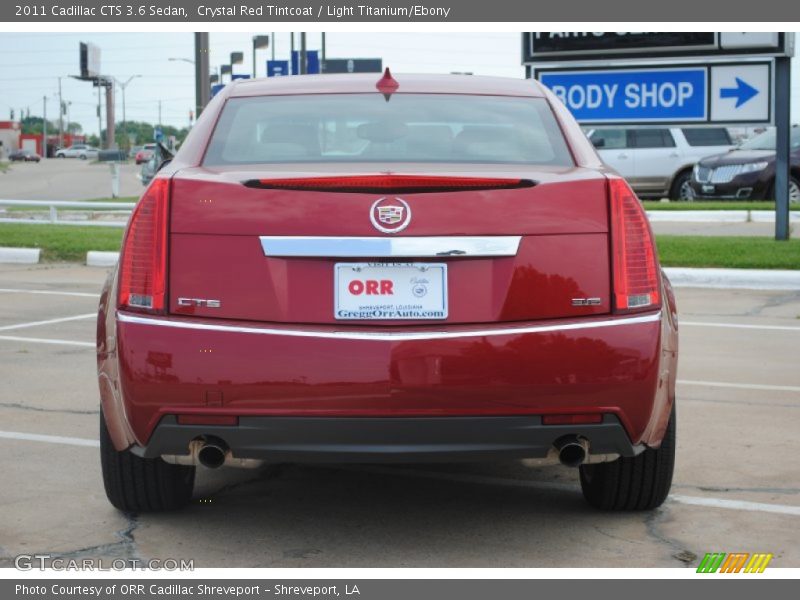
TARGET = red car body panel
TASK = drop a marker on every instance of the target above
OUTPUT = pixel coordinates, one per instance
(177, 371)
(514, 343)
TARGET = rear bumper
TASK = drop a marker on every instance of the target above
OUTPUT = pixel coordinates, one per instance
(335, 439)
(604, 365)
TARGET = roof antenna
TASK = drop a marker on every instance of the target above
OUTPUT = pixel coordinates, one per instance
(387, 85)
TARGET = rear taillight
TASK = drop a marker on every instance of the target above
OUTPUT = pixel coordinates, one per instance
(397, 184)
(635, 266)
(143, 263)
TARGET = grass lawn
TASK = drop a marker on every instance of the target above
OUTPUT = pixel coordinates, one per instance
(61, 242)
(727, 252)
(70, 243)
(714, 205)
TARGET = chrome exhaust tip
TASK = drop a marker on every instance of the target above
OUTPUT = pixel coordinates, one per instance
(212, 455)
(572, 450)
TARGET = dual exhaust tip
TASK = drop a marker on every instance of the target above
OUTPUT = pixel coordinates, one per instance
(572, 452)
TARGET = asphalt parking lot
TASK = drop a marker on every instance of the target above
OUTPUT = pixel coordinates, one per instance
(66, 179)
(736, 484)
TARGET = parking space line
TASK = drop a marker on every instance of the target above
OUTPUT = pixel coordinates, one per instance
(49, 321)
(49, 439)
(781, 509)
(48, 293)
(14, 338)
(739, 326)
(742, 386)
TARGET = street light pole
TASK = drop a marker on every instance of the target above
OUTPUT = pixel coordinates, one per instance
(201, 72)
(124, 86)
(303, 55)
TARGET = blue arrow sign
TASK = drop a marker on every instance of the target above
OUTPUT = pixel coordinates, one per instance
(632, 95)
(742, 92)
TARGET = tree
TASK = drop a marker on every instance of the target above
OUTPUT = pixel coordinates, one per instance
(140, 132)
(35, 125)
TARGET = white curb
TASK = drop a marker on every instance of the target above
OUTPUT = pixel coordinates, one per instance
(752, 279)
(95, 258)
(25, 256)
(717, 216)
(697, 216)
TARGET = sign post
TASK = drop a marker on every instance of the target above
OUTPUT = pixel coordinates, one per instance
(783, 129)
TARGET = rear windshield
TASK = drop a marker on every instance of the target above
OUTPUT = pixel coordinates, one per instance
(343, 128)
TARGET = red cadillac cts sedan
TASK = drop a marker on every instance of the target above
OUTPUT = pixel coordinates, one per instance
(387, 269)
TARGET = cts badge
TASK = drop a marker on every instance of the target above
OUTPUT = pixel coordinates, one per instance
(199, 302)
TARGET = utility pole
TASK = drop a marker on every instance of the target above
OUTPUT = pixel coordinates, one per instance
(44, 130)
(272, 41)
(303, 55)
(111, 141)
(99, 115)
(159, 113)
(323, 47)
(60, 116)
(125, 137)
(202, 90)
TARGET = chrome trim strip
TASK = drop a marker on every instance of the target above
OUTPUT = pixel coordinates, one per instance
(401, 336)
(379, 247)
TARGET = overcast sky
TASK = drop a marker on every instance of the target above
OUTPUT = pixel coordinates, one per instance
(31, 63)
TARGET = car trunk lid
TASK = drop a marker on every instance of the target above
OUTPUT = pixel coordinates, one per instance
(546, 230)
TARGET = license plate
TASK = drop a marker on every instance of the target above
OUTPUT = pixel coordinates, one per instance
(708, 189)
(381, 291)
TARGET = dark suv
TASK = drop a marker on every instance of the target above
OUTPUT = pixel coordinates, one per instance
(747, 172)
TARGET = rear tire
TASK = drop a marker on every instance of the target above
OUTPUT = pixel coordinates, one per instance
(135, 484)
(638, 483)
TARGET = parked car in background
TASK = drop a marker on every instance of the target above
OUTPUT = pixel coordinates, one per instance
(449, 273)
(658, 161)
(134, 151)
(145, 153)
(24, 155)
(158, 157)
(82, 151)
(747, 172)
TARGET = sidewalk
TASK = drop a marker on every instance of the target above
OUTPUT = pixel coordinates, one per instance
(766, 230)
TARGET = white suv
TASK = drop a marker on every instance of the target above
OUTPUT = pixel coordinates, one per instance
(658, 161)
(81, 151)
